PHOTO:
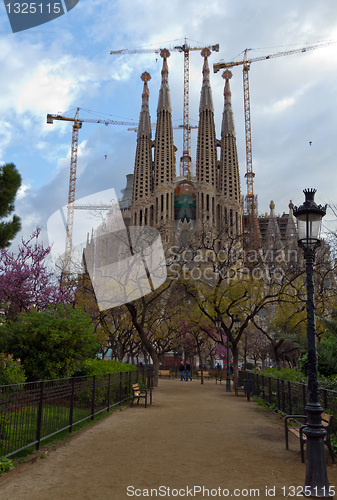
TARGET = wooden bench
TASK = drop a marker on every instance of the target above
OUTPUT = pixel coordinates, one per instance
(223, 376)
(164, 373)
(296, 424)
(246, 386)
(205, 374)
(237, 388)
(138, 393)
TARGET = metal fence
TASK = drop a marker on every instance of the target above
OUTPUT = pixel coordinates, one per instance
(289, 397)
(34, 411)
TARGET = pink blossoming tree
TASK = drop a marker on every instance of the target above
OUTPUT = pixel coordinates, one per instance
(27, 282)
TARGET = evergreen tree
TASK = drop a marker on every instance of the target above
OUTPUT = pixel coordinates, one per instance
(327, 347)
(51, 343)
(10, 181)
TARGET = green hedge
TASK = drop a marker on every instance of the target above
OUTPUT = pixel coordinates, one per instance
(284, 373)
(298, 376)
(99, 366)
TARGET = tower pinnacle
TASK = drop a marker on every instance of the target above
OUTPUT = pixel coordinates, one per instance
(229, 179)
(205, 70)
(206, 101)
(143, 160)
(227, 118)
(164, 53)
(227, 75)
(144, 127)
(146, 77)
(164, 102)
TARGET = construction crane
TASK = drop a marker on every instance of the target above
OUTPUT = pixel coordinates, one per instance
(77, 124)
(153, 125)
(246, 62)
(185, 161)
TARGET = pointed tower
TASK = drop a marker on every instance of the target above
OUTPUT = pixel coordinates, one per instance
(164, 157)
(291, 230)
(142, 179)
(206, 160)
(291, 237)
(272, 244)
(229, 213)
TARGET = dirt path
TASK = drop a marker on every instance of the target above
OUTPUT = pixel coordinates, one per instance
(193, 436)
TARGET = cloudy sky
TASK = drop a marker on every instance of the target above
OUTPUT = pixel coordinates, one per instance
(66, 63)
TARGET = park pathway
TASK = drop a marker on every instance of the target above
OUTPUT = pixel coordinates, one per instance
(195, 441)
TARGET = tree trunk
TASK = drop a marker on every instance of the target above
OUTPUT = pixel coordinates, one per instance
(278, 358)
(235, 354)
(200, 363)
(147, 344)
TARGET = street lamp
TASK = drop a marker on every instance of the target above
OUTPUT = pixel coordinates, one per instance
(309, 217)
(218, 323)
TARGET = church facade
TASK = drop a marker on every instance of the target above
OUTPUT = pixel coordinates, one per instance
(184, 205)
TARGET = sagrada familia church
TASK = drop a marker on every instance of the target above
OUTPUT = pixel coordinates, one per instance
(183, 205)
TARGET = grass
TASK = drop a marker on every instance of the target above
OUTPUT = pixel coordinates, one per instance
(266, 406)
(62, 437)
(18, 429)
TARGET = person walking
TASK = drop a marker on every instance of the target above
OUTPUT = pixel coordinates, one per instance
(188, 371)
(181, 369)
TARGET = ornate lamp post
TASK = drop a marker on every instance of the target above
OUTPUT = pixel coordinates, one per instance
(309, 217)
(218, 322)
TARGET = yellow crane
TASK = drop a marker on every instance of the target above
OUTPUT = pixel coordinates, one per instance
(77, 124)
(246, 62)
(185, 162)
(153, 125)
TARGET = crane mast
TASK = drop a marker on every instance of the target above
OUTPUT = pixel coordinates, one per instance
(77, 124)
(248, 134)
(71, 194)
(185, 161)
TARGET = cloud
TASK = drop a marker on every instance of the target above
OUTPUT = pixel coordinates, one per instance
(6, 131)
(68, 64)
(22, 192)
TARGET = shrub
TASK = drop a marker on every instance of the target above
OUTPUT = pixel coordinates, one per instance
(285, 373)
(50, 343)
(99, 366)
(5, 464)
(327, 356)
(11, 371)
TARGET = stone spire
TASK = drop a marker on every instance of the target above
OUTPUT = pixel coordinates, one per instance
(142, 180)
(144, 127)
(273, 234)
(164, 156)
(164, 101)
(206, 100)
(206, 161)
(229, 208)
(227, 117)
(291, 231)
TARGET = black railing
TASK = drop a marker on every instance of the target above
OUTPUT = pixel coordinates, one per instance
(289, 397)
(34, 411)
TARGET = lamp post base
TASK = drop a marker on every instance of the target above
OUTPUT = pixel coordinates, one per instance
(228, 384)
(316, 478)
